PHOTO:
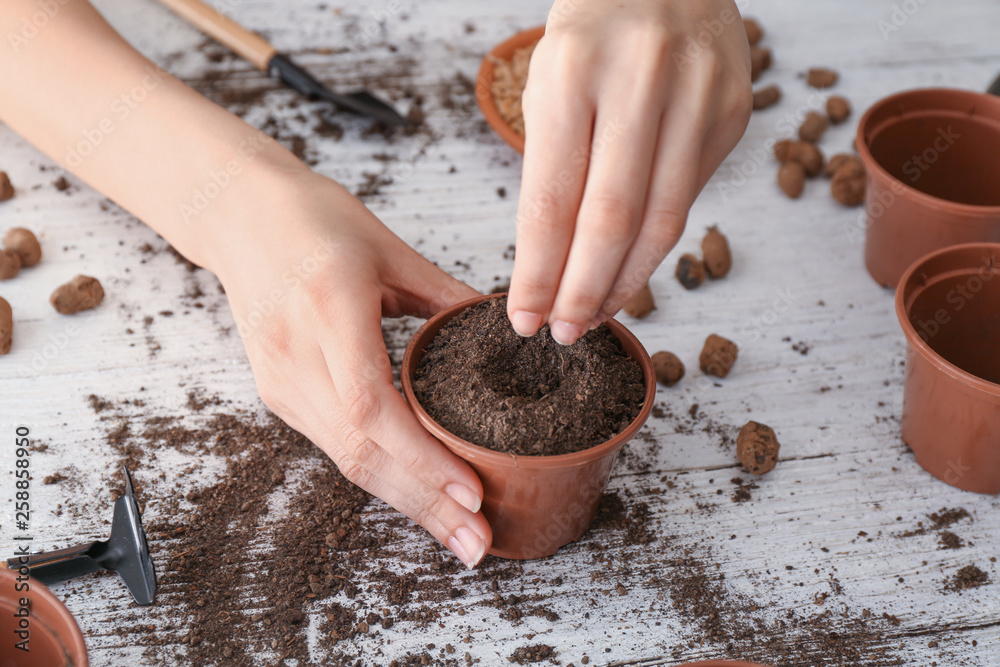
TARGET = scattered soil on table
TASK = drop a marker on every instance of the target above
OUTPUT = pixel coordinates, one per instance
(54, 478)
(531, 396)
(527, 655)
(968, 577)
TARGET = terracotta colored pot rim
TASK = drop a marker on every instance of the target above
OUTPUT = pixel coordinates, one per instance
(484, 84)
(871, 163)
(914, 339)
(493, 458)
(45, 603)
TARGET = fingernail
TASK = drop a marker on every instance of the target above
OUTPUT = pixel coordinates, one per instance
(467, 546)
(566, 333)
(464, 496)
(526, 324)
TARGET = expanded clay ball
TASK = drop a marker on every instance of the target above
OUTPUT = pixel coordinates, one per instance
(757, 447)
(766, 97)
(718, 356)
(838, 161)
(690, 271)
(6, 326)
(838, 109)
(821, 77)
(813, 127)
(6, 189)
(668, 368)
(716, 254)
(792, 179)
(642, 304)
(10, 264)
(81, 293)
(754, 32)
(760, 60)
(803, 152)
(848, 184)
(25, 244)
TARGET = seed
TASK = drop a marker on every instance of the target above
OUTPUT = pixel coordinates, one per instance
(642, 303)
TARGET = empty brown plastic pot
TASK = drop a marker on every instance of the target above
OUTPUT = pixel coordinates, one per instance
(932, 157)
(948, 304)
(54, 639)
(535, 504)
(484, 84)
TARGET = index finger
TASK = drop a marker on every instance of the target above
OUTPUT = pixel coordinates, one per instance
(556, 155)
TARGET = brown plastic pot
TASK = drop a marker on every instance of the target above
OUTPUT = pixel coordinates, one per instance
(535, 504)
(54, 638)
(484, 84)
(932, 157)
(948, 304)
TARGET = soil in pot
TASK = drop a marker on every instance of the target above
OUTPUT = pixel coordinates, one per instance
(528, 396)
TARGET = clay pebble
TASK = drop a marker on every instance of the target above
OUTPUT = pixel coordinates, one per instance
(757, 447)
(81, 293)
(718, 356)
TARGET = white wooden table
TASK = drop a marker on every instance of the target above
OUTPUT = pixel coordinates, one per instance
(846, 486)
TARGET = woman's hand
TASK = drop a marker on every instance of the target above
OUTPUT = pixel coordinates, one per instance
(628, 110)
(308, 282)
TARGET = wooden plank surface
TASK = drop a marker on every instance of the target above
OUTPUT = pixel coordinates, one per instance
(798, 278)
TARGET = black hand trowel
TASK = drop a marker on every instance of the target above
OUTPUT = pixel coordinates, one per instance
(125, 552)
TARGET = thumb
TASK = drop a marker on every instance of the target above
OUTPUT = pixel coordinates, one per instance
(422, 288)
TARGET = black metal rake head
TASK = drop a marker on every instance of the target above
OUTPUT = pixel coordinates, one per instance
(124, 552)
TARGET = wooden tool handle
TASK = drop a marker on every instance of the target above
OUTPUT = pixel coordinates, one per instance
(247, 44)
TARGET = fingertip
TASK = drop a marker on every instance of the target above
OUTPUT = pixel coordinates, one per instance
(566, 333)
(525, 323)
